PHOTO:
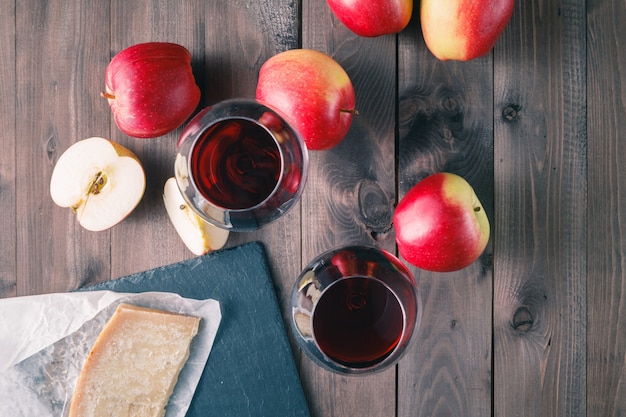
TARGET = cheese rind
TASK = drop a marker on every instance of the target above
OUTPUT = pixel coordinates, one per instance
(134, 364)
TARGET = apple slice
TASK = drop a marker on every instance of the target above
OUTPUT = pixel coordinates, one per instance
(199, 236)
(99, 180)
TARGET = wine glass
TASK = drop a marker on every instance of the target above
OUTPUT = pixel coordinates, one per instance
(240, 165)
(354, 309)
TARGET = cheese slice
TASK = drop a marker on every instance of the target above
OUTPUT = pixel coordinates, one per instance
(134, 365)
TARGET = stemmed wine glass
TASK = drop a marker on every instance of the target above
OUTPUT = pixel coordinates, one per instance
(354, 309)
(240, 165)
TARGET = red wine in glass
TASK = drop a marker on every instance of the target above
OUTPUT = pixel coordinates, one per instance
(358, 321)
(236, 164)
(354, 309)
(240, 165)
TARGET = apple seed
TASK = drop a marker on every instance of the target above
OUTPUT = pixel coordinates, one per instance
(98, 183)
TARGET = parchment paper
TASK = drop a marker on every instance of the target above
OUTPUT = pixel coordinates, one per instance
(45, 339)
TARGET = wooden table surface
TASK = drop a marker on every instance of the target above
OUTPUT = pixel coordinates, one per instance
(536, 327)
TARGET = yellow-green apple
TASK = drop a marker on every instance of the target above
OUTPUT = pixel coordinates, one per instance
(99, 180)
(312, 91)
(440, 224)
(463, 29)
(372, 18)
(151, 88)
(199, 236)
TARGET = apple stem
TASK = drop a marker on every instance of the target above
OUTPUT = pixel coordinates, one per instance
(107, 95)
(352, 111)
(477, 209)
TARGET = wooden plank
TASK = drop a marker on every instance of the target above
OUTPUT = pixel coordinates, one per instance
(351, 192)
(445, 125)
(154, 241)
(61, 49)
(8, 243)
(606, 280)
(540, 233)
(238, 39)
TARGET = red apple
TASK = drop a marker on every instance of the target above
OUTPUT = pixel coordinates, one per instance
(463, 29)
(313, 91)
(373, 17)
(440, 224)
(151, 88)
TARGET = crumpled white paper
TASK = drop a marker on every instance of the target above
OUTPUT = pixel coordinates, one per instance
(45, 339)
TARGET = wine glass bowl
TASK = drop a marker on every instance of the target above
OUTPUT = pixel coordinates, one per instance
(355, 309)
(240, 165)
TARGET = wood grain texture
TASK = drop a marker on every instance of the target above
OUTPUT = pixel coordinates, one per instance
(540, 254)
(61, 49)
(8, 242)
(445, 125)
(606, 280)
(351, 192)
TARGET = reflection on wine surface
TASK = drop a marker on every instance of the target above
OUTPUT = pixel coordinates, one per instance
(358, 322)
(236, 164)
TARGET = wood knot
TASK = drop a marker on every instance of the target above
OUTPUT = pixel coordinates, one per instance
(50, 146)
(522, 319)
(511, 112)
(374, 207)
(450, 105)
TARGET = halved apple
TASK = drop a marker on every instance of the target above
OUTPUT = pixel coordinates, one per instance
(99, 180)
(199, 236)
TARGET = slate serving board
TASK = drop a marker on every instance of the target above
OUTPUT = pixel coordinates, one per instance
(250, 371)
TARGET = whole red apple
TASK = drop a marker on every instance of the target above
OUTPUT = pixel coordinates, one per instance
(440, 224)
(151, 88)
(373, 17)
(463, 29)
(313, 91)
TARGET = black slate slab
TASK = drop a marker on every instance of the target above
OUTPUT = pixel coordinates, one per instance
(250, 371)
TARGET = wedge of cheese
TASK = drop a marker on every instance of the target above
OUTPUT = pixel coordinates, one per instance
(134, 364)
